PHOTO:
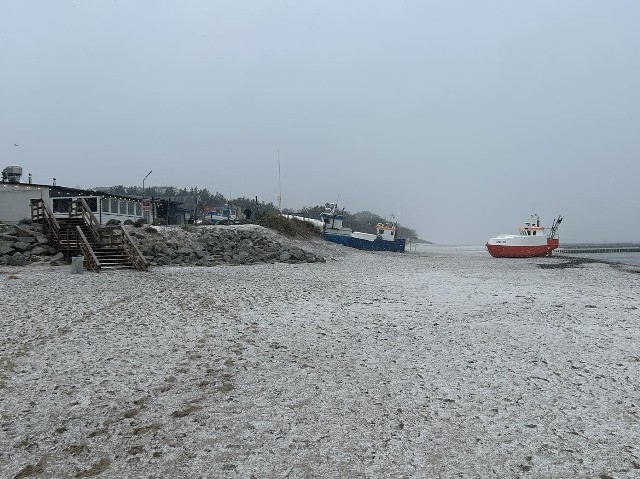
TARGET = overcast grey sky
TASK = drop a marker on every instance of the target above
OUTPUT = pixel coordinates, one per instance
(460, 117)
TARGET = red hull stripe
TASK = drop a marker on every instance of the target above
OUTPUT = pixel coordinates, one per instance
(506, 251)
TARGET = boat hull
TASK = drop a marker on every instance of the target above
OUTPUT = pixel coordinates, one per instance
(342, 239)
(506, 250)
(397, 245)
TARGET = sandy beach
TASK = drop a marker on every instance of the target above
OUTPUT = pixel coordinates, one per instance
(443, 362)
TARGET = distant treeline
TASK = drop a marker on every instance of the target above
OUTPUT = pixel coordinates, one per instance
(198, 201)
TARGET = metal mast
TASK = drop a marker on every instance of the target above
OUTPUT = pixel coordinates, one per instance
(279, 185)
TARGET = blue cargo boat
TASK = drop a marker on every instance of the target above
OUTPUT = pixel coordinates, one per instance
(384, 240)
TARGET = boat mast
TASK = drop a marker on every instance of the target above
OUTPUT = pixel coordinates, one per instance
(394, 222)
(554, 226)
(279, 185)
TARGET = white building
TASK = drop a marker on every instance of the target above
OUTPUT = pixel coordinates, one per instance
(15, 200)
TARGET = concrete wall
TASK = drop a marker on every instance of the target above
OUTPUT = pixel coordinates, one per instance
(15, 201)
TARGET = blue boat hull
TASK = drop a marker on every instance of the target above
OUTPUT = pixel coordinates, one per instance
(337, 238)
(397, 245)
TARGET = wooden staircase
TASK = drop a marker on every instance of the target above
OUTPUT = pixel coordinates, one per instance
(103, 247)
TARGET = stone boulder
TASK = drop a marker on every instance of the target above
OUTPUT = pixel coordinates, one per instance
(24, 243)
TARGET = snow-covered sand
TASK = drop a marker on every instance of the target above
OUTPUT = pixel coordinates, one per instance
(438, 363)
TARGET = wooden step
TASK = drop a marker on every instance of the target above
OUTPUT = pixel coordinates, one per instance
(108, 257)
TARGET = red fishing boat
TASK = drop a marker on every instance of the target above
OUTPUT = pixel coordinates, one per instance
(530, 241)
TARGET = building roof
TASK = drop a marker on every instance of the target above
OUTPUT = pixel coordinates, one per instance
(56, 191)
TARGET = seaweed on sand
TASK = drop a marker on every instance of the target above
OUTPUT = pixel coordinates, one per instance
(570, 263)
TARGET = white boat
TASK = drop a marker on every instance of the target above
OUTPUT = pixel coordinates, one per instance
(220, 215)
(530, 241)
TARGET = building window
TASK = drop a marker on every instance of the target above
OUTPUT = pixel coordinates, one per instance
(105, 205)
(138, 209)
(130, 208)
(114, 205)
(92, 203)
(61, 205)
(123, 207)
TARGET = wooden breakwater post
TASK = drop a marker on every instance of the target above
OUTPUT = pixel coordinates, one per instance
(598, 249)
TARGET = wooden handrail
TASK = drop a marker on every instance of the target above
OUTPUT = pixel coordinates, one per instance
(87, 211)
(133, 251)
(42, 212)
(116, 236)
(93, 263)
(74, 239)
(87, 215)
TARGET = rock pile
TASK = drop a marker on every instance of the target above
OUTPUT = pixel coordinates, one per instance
(212, 245)
(161, 245)
(26, 243)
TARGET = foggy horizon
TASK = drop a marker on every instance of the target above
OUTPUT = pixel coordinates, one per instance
(462, 119)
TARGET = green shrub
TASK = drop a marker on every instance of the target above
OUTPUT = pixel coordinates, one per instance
(289, 227)
(128, 222)
(113, 222)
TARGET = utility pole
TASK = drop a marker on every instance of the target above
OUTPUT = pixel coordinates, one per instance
(143, 194)
(143, 182)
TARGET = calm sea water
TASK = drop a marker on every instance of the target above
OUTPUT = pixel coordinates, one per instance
(626, 258)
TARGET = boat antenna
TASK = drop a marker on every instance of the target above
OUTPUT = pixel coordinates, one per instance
(279, 185)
